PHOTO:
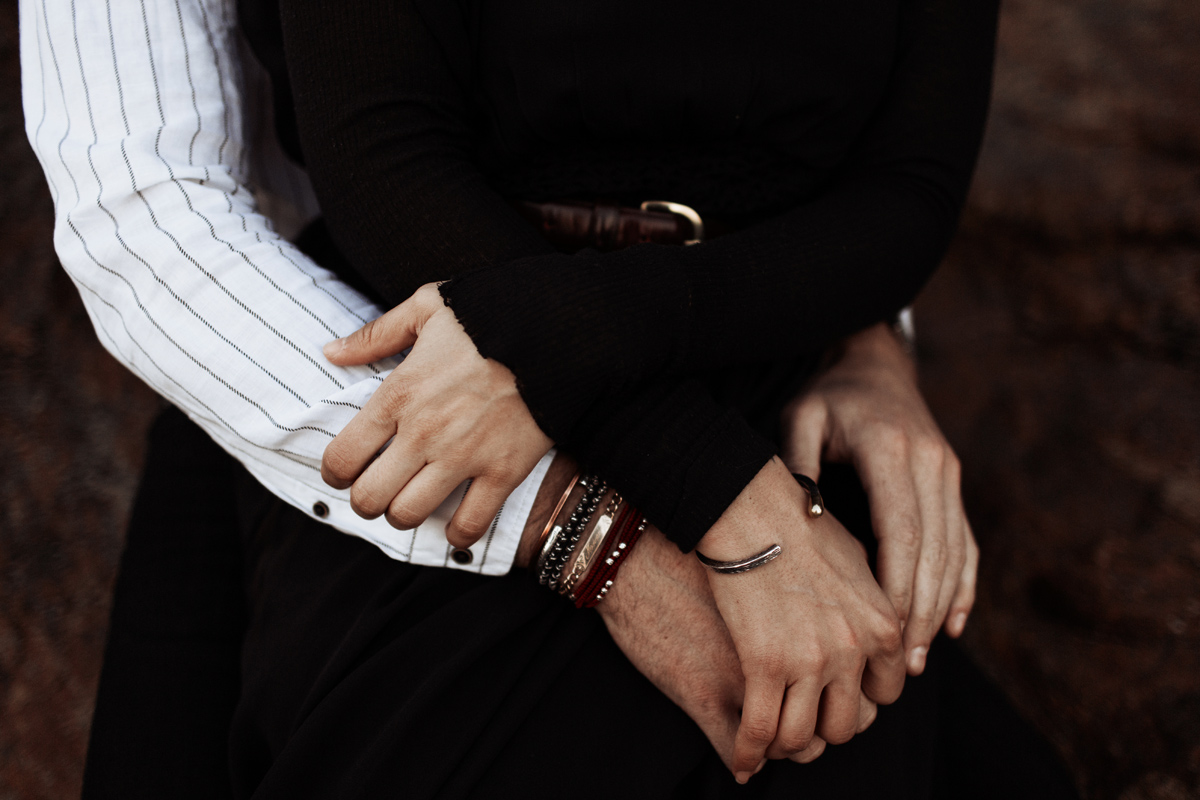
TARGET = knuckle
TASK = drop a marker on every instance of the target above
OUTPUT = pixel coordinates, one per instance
(473, 524)
(770, 666)
(501, 472)
(935, 555)
(922, 626)
(892, 438)
(890, 695)
(953, 466)
(402, 516)
(930, 451)
(905, 533)
(920, 623)
(902, 596)
(848, 641)
(814, 662)
(972, 549)
(395, 396)
(369, 335)
(759, 732)
(424, 429)
(792, 743)
(366, 503)
(889, 634)
(809, 413)
(840, 734)
(957, 560)
(337, 465)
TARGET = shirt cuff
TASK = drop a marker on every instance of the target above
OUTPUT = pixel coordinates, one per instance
(495, 552)
(425, 545)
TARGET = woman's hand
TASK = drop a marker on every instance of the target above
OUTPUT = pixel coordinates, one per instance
(867, 410)
(661, 613)
(451, 414)
(810, 627)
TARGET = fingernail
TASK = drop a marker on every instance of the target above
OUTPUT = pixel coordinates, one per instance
(960, 622)
(742, 777)
(916, 658)
(333, 348)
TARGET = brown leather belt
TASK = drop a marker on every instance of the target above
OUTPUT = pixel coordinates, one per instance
(572, 225)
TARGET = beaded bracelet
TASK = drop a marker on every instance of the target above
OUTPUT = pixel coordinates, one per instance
(570, 538)
(586, 552)
(550, 541)
(563, 539)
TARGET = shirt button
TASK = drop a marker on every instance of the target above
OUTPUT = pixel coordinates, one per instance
(320, 509)
(462, 557)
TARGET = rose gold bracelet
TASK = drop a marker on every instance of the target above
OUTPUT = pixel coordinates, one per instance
(562, 501)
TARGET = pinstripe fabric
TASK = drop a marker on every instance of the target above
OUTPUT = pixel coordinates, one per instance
(173, 204)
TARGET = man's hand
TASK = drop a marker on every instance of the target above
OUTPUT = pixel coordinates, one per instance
(450, 413)
(810, 628)
(866, 410)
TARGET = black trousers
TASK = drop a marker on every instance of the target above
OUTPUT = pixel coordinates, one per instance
(257, 653)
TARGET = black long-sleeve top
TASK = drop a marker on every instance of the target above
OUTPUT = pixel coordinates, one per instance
(839, 137)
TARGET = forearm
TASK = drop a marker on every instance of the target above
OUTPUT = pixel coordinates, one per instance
(558, 476)
(138, 123)
(848, 257)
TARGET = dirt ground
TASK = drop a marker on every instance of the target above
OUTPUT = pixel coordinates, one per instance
(1060, 349)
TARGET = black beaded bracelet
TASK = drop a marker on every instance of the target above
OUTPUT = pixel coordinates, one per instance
(563, 539)
(552, 550)
(579, 522)
(573, 531)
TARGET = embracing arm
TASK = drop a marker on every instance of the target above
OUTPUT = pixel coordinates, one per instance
(142, 118)
(387, 128)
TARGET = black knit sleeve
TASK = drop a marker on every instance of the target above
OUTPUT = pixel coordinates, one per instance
(602, 344)
(798, 282)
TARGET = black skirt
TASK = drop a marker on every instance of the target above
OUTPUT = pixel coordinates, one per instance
(255, 652)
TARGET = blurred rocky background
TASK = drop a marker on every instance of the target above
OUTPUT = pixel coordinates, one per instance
(1060, 348)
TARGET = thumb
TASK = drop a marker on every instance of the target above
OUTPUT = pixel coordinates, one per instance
(804, 437)
(382, 337)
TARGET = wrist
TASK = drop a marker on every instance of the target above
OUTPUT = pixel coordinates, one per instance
(558, 476)
(772, 509)
(578, 534)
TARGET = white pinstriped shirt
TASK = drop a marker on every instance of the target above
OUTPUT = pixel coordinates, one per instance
(173, 207)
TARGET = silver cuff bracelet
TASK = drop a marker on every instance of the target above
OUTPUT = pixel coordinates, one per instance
(734, 567)
(816, 507)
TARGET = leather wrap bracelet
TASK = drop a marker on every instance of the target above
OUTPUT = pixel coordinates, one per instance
(590, 547)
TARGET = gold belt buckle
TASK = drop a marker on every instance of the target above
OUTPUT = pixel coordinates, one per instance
(687, 212)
